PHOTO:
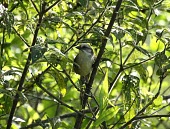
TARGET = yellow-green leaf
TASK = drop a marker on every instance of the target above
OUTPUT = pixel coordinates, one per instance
(106, 115)
(103, 95)
(60, 81)
(158, 101)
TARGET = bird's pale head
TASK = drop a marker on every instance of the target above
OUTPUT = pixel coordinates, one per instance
(84, 60)
(85, 48)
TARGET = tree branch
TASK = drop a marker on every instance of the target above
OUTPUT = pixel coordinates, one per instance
(20, 87)
(61, 117)
(58, 100)
(96, 64)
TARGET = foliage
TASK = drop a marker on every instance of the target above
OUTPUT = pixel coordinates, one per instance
(39, 89)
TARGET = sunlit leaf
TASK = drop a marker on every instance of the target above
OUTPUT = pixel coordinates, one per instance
(103, 95)
(60, 81)
(17, 119)
(140, 30)
(158, 101)
(130, 114)
(106, 115)
(140, 49)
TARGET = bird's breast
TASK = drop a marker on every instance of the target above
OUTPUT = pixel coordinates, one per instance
(84, 64)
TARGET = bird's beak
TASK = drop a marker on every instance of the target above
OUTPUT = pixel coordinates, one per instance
(78, 47)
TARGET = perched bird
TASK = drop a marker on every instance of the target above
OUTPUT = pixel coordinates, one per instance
(83, 62)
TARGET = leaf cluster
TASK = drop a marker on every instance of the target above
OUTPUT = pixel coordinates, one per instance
(128, 87)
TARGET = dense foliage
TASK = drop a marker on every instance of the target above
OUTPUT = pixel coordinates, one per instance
(129, 85)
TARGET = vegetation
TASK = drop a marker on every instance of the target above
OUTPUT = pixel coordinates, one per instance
(129, 85)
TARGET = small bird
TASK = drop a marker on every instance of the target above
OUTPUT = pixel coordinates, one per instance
(83, 62)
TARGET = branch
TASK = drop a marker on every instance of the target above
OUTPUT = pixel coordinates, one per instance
(20, 87)
(152, 116)
(21, 37)
(136, 64)
(166, 97)
(103, 45)
(48, 120)
(160, 109)
(2, 47)
(35, 6)
(52, 5)
(58, 100)
(96, 64)
(112, 84)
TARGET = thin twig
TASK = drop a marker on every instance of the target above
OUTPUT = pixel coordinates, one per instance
(2, 47)
(71, 80)
(151, 116)
(52, 5)
(35, 7)
(136, 64)
(58, 100)
(160, 109)
(21, 37)
(48, 120)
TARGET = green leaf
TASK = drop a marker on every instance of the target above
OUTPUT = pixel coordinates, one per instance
(37, 51)
(60, 81)
(130, 91)
(103, 95)
(140, 49)
(130, 114)
(160, 59)
(106, 115)
(160, 71)
(119, 33)
(98, 31)
(141, 69)
(54, 57)
(83, 2)
(23, 7)
(8, 20)
(158, 101)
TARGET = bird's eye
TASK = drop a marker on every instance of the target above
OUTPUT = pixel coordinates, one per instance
(84, 47)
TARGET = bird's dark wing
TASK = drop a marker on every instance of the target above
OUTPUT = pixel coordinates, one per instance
(76, 66)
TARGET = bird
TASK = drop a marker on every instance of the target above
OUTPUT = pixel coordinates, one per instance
(84, 61)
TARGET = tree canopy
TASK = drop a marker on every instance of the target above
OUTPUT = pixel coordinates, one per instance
(128, 86)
